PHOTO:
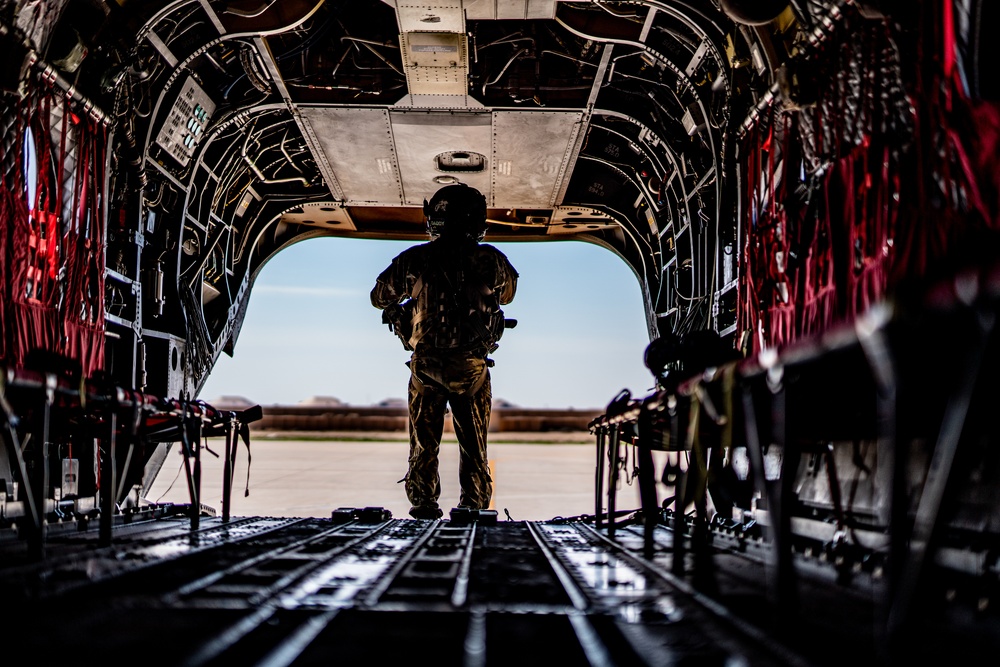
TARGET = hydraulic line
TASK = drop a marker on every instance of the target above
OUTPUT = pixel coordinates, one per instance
(509, 63)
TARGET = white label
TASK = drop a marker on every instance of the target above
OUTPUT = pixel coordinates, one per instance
(70, 477)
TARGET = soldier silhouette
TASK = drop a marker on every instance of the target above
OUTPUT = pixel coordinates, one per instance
(443, 298)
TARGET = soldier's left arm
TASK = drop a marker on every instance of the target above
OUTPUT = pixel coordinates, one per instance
(505, 278)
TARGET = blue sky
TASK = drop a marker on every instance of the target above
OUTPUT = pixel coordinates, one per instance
(310, 329)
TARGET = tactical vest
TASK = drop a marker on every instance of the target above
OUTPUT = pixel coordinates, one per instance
(453, 308)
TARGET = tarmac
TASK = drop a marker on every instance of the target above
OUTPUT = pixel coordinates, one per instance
(537, 476)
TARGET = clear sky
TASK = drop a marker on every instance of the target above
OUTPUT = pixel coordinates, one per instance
(311, 330)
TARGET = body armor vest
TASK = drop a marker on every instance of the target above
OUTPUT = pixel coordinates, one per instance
(454, 307)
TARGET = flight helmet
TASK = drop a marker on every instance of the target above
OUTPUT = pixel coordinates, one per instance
(456, 211)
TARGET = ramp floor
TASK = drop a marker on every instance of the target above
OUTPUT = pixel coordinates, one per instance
(370, 590)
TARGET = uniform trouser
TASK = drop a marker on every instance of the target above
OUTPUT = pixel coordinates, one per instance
(463, 381)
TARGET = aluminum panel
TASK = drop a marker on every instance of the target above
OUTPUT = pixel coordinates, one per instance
(541, 9)
(437, 16)
(358, 145)
(435, 63)
(579, 220)
(477, 10)
(511, 9)
(329, 215)
(439, 102)
(421, 136)
(530, 153)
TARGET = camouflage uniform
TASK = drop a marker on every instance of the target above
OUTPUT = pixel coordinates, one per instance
(449, 364)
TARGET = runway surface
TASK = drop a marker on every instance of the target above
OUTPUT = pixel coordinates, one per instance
(534, 481)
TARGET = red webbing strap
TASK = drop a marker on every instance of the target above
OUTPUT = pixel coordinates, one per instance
(12, 209)
(71, 261)
(966, 176)
(32, 316)
(74, 263)
(13, 214)
(7, 212)
(41, 248)
(853, 223)
(957, 179)
(780, 314)
(948, 43)
(747, 294)
(982, 143)
(866, 173)
(819, 300)
(39, 217)
(92, 291)
(764, 311)
(915, 232)
(83, 319)
(50, 216)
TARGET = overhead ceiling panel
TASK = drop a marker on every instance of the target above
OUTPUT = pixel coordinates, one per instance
(478, 10)
(511, 9)
(438, 16)
(359, 148)
(438, 102)
(329, 215)
(541, 9)
(436, 63)
(531, 151)
(434, 46)
(421, 137)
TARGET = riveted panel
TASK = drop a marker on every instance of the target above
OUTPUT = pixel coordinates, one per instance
(541, 9)
(438, 16)
(436, 63)
(477, 10)
(530, 153)
(434, 47)
(579, 220)
(511, 9)
(359, 147)
(420, 137)
(329, 215)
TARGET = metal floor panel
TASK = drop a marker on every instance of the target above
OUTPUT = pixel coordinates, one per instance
(278, 591)
(310, 591)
